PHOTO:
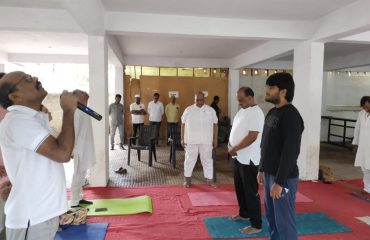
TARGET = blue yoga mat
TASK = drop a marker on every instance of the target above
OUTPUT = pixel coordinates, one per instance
(307, 223)
(89, 231)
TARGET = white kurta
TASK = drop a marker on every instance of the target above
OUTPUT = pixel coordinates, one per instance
(84, 150)
(362, 139)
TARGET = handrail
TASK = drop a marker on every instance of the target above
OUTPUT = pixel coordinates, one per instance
(344, 133)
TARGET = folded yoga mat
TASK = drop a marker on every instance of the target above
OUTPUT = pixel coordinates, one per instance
(119, 206)
(89, 231)
(307, 223)
(201, 199)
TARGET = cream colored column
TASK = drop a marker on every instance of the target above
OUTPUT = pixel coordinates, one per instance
(308, 76)
(98, 76)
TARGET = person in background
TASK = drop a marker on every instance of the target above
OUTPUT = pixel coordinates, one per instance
(172, 111)
(280, 148)
(155, 111)
(116, 113)
(83, 152)
(32, 155)
(214, 105)
(361, 141)
(244, 147)
(137, 110)
(199, 136)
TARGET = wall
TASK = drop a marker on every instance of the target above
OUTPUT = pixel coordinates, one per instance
(257, 83)
(186, 86)
(341, 98)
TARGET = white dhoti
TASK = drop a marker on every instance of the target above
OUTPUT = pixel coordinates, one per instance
(191, 156)
(78, 180)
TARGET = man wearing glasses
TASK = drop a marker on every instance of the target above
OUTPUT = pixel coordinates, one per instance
(33, 158)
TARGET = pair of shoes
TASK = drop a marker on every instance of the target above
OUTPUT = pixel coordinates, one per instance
(238, 217)
(250, 230)
(187, 182)
(112, 147)
(121, 170)
(83, 201)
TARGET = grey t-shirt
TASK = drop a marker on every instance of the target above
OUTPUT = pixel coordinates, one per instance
(116, 113)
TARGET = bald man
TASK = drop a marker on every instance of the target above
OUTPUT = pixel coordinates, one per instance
(199, 136)
(33, 158)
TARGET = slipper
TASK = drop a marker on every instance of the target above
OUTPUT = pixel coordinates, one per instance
(121, 170)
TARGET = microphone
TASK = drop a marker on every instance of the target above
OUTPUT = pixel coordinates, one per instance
(89, 111)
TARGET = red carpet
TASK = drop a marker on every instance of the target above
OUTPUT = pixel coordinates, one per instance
(174, 217)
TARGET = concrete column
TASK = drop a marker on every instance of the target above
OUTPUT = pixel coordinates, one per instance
(118, 86)
(308, 76)
(98, 76)
(233, 88)
(2, 67)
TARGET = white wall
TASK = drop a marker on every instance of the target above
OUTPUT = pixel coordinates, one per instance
(341, 98)
(257, 83)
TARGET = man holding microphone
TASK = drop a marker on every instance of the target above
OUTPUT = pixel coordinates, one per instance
(33, 158)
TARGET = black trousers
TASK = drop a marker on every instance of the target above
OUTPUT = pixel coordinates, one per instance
(246, 187)
(135, 128)
(157, 126)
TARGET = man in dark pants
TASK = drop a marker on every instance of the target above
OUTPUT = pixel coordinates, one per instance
(214, 105)
(137, 110)
(280, 147)
(244, 147)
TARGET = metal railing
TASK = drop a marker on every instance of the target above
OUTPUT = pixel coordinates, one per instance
(342, 123)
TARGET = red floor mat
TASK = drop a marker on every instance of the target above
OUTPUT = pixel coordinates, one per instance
(174, 218)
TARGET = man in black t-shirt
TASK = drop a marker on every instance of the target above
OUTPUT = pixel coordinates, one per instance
(280, 147)
(214, 105)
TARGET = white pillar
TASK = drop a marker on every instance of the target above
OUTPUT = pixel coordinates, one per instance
(118, 87)
(2, 67)
(98, 76)
(308, 76)
(233, 88)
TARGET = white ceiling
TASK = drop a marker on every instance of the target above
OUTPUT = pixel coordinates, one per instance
(43, 43)
(46, 4)
(248, 9)
(184, 47)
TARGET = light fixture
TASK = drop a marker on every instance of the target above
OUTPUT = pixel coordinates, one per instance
(244, 72)
(256, 72)
(275, 71)
(349, 73)
(204, 70)
(266, 72)
(214, 71)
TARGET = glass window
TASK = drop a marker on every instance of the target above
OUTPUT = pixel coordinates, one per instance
(201, 72)
(185, 72)
(168, 72)
(150, 71)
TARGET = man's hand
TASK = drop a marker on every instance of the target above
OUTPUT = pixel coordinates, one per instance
(232, 151)
(215, 143)
(5, 190)
(2, 172)
(260, 178)
(276, 190)
(183, 144)
(354, 148)
(68, 101)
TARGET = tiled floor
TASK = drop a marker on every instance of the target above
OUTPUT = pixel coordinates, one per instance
(340, 160)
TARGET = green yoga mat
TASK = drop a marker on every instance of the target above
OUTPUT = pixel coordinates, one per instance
(120, 206)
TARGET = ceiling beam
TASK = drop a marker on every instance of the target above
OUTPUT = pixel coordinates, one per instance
(262, 53)
(349, 20)
(139, 23)
(89, 14)
(176, 62)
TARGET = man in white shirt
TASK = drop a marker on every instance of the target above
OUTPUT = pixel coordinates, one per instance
(33, 158)
(83, 152)
(137, 110)
(361, 141)
(155, 111)
(244, 147)
(198, 136)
